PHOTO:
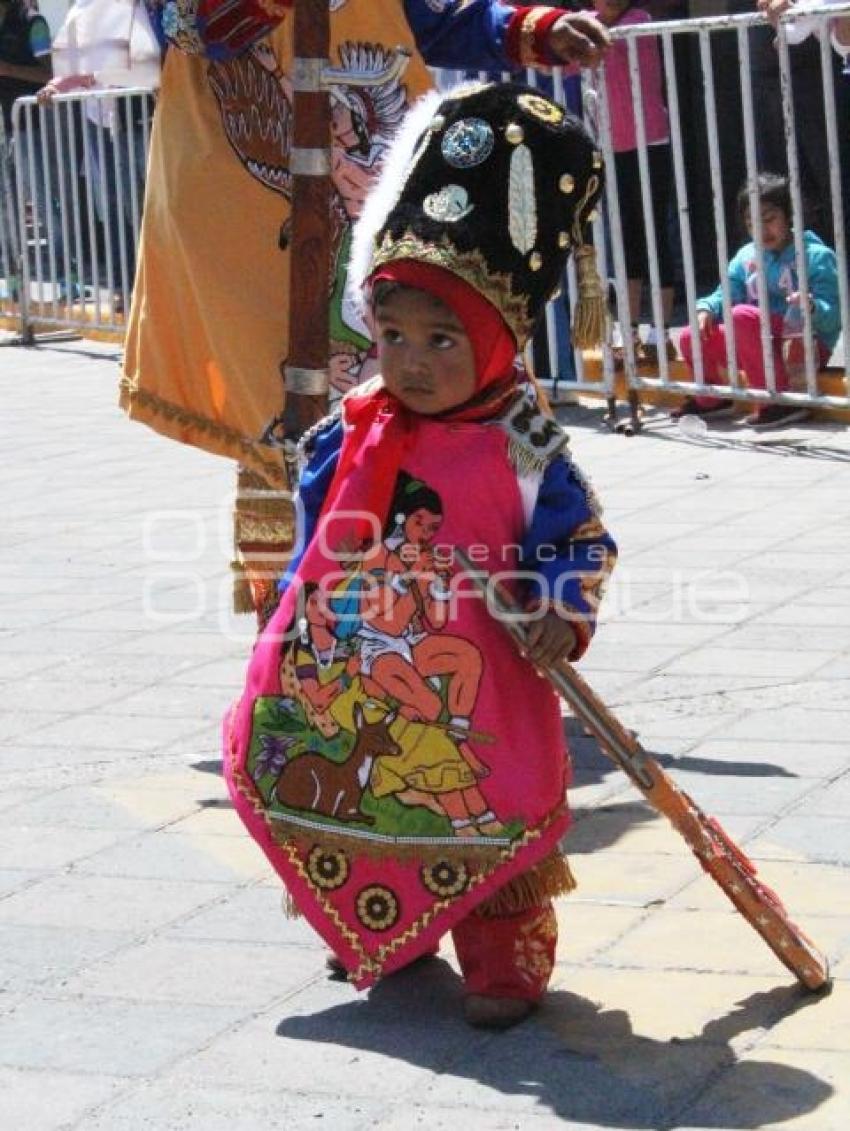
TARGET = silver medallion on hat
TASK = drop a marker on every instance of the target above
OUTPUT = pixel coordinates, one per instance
(467, 143)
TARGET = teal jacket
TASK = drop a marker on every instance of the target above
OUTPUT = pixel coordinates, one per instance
(780, 270)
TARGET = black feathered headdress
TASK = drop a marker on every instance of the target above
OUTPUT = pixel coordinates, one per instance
(495, 183)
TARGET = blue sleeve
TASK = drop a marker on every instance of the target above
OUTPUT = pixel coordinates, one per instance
(461, 34)
(322, 459)
(823, 287)
(737, 275)
(568, 548)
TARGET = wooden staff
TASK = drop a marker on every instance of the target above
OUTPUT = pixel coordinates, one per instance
(306, 370)
(717, 853)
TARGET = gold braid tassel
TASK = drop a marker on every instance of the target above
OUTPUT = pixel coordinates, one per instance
(551, 877)
(263, 534)
(588, 325)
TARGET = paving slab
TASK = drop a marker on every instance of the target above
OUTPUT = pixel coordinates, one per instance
(41, 1102)
(134, 1039)
(151, 978)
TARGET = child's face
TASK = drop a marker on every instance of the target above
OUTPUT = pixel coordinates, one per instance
(424, 354)
(775, 227)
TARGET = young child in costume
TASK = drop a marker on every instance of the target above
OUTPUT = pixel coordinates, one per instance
(424, 791)
(780, 269)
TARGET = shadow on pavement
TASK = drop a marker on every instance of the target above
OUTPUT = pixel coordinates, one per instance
(580, 1061)
(591, 765)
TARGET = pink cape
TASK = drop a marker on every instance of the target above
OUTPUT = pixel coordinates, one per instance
(399, 770)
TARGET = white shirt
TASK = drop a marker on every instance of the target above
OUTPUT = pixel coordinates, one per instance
(112, 40)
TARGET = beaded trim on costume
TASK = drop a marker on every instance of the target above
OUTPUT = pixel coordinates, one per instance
(307, 438)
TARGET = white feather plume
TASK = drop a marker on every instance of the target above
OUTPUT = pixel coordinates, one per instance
(522, 204)
(385, 192)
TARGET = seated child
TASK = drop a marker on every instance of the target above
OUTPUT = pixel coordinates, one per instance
(782, 291)
(400, 762)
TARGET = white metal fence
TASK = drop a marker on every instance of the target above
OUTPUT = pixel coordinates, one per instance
(705, 35)
(72, 185)
(72, 181)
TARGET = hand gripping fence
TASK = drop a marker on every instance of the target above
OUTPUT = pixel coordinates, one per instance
(717, 853)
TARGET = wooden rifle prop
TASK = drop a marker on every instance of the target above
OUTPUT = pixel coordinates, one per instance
(306, 370)
(717, 853)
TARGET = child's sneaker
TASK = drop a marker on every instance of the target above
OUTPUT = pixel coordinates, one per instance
(483, 1012)
(717, 410)
(776, 416)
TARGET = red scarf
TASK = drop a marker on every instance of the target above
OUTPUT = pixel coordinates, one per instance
(380, 430)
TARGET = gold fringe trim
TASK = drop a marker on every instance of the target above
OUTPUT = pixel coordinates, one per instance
(289, 906)
(546, 880)
(191, 428)
(243, 599)
(525, 461)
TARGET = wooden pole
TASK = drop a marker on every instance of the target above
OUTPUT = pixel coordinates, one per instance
(306, 368)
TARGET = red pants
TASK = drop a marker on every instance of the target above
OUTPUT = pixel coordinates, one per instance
(509, 955)
(747, 325)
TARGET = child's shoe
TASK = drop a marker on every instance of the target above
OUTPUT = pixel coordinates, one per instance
(484, 1012)
(717, 410)
(776, 416)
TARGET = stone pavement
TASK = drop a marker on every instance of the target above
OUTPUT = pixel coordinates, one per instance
(149, 978)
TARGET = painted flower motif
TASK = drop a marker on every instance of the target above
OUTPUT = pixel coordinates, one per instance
(327, 870)
(377, 908)
(534, 949)
(445, 879)
(272, 756)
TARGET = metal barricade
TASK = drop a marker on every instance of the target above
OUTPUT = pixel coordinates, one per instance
(9, 253)
(597, 373)
(79, 166)
(705, 31)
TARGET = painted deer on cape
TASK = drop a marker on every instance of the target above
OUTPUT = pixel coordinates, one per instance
(335, 789)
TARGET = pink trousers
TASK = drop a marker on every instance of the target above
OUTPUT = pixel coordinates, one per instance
(509, 956)
(747, 326)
